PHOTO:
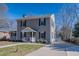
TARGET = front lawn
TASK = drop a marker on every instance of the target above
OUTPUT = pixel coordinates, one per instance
(19, 50)
(3, 43)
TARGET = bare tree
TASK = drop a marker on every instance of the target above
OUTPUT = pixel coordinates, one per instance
(68, 14)
(4, 22)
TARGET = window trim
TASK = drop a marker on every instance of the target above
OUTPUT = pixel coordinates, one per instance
(42, 21)
(43, 35)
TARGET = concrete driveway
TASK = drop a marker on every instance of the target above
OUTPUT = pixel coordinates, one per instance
(57, 49)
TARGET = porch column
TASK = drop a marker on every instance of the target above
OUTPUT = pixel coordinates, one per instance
(32, 37)
(22, 36)
(32, 34)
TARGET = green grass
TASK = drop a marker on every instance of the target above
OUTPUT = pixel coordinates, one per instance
(18, 50)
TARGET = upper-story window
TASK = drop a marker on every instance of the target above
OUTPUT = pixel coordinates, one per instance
(42, 21)
(24, 23)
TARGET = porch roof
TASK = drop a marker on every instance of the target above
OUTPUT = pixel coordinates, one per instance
(28, 29)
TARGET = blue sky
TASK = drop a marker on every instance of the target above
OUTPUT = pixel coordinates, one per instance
(16, 10)
(13, 11)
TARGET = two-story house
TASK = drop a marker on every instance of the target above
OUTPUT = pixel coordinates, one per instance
(36, 28)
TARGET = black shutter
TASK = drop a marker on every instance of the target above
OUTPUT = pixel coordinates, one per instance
(25, 23)
(44, 35)
(24, 34)
(20, 34)
(39, 22)
(39, 35)
(11, 34)
(44, 21)
(21, 23)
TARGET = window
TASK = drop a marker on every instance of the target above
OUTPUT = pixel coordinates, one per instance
(24, 23)
(13, 34)
(42, 21)
(42, 35)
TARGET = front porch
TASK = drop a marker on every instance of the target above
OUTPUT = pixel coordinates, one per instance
(28, 35)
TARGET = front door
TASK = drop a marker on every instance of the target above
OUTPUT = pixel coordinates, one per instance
(29, 37)
(26, 37)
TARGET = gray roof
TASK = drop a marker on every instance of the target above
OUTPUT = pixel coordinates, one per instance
(4, 30)
(28, 29)
(34, 17)
(7, 30)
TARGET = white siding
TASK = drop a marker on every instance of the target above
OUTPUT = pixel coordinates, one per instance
(52, 28)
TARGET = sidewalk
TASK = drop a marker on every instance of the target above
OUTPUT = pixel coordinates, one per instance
(58, 49)
(44, 51)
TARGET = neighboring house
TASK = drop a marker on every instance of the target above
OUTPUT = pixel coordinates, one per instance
(13, 35)
(4, 34)
(36, 28)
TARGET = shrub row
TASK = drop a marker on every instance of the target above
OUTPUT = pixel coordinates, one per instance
(73, 40)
